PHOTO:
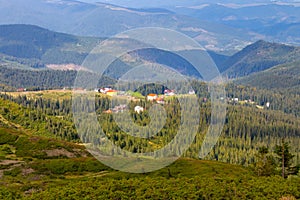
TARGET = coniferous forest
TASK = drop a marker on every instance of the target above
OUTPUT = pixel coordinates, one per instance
(39, 142)
(46, 152)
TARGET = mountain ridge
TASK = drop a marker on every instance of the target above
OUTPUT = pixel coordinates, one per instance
(282, 77)
(259, 56)
(105, 20)
(30, 46)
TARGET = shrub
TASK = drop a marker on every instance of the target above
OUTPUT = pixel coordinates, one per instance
(13, 172)
(6, 137)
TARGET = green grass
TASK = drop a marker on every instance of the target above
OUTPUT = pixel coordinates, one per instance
(47, 94)
(25, 145)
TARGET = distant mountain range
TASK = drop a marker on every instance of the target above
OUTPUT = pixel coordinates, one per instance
(218, 26)
(269, 21)
(191, 3)
(28, 46)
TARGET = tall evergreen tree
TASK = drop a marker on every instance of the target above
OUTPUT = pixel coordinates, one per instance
(284, 157)
(265, 165)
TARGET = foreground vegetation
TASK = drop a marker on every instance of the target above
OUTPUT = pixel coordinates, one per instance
(73, 174)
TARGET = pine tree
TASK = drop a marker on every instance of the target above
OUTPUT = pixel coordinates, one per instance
(284, 157)
(265, 165)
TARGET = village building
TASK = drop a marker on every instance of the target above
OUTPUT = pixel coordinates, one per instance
(192, 92)
(138, 109)
(21, 90)
(168, 92)
(160, 100)
(152, 97)
(104, 90)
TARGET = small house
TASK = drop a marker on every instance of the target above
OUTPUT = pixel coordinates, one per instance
(104, 90)
(160, 100)
(152, 97)
(138, 109)
(21, 90)
(168, 92)
(192, 92)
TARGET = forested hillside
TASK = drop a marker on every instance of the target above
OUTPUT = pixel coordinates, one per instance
(28, 47)
(33, 45)
(246, 128)
(13, 79)
(25, 41)
(38, 141)
(258, 57)
(281, 77)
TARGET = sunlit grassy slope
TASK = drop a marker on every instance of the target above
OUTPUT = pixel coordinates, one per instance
(39, 168)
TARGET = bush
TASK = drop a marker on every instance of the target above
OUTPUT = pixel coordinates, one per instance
(6, 149)
(63, 166)
(14, 172)
(6, 137)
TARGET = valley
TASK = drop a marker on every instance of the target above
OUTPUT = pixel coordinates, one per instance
(49, 60)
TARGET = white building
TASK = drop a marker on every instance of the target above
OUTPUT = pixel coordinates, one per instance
(192, 92)
(104, 90)
(138, 109)
(168, 92)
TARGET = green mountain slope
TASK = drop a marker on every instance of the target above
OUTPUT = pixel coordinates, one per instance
(23, 47)
(258, 57)
(25, 41)
(285, 76)
(39, 168)
(246, 126)
(29, 44)
(40, 157)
